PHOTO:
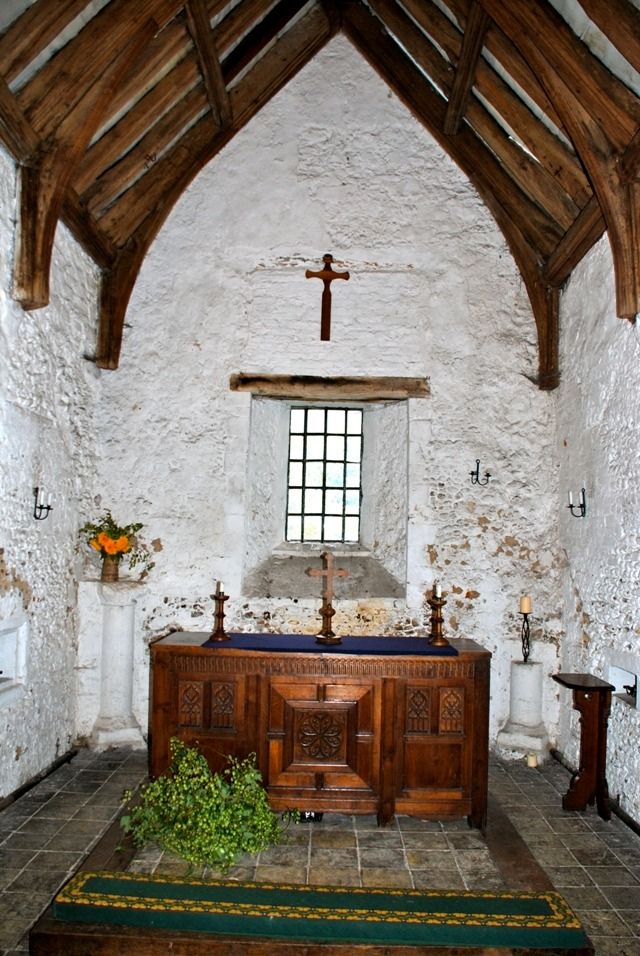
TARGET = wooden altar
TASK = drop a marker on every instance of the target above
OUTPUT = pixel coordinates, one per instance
(374, 732)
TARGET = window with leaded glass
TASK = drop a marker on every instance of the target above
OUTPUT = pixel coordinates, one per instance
(324, 487)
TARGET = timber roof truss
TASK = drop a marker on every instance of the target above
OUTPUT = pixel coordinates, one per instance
(110, 110)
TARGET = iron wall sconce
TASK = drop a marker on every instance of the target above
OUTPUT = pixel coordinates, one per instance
(40, 509)
(475, 475)
(581, 507)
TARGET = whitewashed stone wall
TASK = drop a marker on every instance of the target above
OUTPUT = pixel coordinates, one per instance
(336, 164)
(598, 428)
(47, 396)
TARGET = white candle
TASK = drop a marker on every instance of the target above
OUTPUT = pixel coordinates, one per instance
(437, 590)
(525, 604)
(219, 587)
(49, 498)
(570, 499)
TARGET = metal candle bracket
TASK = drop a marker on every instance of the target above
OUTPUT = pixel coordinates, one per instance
(219, 633)
(525, 635)
(436, 638)
(40, 509)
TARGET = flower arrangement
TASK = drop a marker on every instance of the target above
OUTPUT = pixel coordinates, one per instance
(112, 540)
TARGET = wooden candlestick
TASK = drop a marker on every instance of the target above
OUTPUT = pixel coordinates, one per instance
(219, 632)
(326, 635)
(436, 638)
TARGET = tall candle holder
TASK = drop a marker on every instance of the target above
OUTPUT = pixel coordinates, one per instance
(437, 602)
(219, 597)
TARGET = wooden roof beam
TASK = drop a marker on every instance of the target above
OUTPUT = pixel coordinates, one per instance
(565, 73)
(574, 245)
(551, 211)
(44, 182)
(548, 148)
(174, 171)
(618, 20)
(473, 40)
(200, 30)
(33, 31)
(499, 193)
(16, 132)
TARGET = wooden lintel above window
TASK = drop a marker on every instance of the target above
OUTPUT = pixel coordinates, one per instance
(344, 388)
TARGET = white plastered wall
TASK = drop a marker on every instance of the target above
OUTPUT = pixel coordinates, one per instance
(598, 428)
(336, 164)
(47, 396)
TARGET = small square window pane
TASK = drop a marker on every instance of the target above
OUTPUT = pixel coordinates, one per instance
(351, 529)
(336, 420)
(335, 474)
(352, 502)
(295, 501)
(296, 447)
(334, 502)
(353, 475)
(354, 448)
(335, 448)
(313, 474)
(315, 420)
(354, 422)
(295, 473)
(297, 420)
(294, 528)
(313, 528)
(333, 529)
(313, 501)
(315, 447)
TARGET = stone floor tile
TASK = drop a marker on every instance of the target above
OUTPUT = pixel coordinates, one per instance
(471, 840)
(425, 839)
(11, 931)
(283, 855)
(608, 946)
(603, 923)
(623, 897)
(438, 880)
(585, 898)
(11, 859)
(481, 880)
(339, 839)
(380, 838)
(371, 856)
(598, 857)
(632, 920)
(430, 859)
(53, 860)
(382, 876)
(287, 874)
(562, 876)
(552, 856)
(42, 881)
(612, 876)
(415, 823)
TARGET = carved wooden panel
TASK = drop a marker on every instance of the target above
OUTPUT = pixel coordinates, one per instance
(190, 703)
(223, 705)
(418, 710)
(451, 710)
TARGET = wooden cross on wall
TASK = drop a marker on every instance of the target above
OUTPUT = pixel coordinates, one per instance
(327, 275)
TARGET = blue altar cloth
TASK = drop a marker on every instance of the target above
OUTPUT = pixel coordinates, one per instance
(306, 644)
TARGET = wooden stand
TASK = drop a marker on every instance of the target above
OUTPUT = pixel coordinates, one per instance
(436, 637)
(219, 633)
(592, 698)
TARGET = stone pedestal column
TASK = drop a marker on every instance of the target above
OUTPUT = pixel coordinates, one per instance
(116, 724)
(524, 733)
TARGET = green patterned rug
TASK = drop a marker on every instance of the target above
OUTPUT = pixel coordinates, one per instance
(322, 913)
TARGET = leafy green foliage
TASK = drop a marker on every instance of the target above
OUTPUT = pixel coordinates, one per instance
(201, 816)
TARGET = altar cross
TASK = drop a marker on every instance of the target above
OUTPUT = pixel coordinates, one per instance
(327, 275)
(328, 572)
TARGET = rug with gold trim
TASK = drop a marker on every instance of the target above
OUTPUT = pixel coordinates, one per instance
(322, 913)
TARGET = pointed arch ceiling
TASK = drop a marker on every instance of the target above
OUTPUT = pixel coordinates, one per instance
(111, 108)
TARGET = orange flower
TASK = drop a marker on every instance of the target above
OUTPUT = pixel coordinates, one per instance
(95, 544)
(103, 539)
(110, 546)
(122, 544)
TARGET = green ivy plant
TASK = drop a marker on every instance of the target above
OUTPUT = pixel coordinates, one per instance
(201, 816)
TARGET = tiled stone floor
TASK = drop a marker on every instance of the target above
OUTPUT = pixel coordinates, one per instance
(48, 832)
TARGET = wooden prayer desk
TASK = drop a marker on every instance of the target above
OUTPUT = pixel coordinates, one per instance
(592, 698)
(375, 725)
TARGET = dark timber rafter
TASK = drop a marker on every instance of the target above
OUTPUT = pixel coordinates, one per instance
(200, 30)
(477, 26)
(601, 123)
(178, 167)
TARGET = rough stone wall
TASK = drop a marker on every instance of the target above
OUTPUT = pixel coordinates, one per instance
(47, 394)
(598, 426)
(336, 164)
